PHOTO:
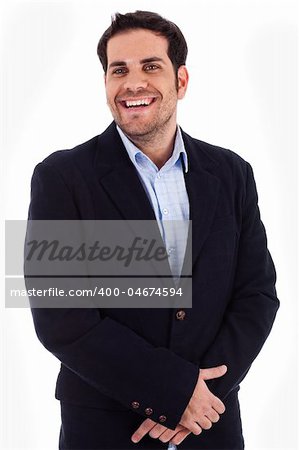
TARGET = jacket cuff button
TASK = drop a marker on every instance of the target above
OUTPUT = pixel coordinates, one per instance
(135, 405)
(162, 419)
(180, 315)
(148, 411)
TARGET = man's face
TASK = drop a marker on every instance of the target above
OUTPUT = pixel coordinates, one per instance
(141, 87)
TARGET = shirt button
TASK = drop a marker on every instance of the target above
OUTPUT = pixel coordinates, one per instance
(180, 315)
(165, 211)
(148, 411)
(135, 405)
(162, 419)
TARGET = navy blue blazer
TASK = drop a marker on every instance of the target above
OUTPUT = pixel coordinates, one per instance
(132, 359)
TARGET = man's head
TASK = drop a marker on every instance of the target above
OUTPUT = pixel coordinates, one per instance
(177, 46)
(145, 75)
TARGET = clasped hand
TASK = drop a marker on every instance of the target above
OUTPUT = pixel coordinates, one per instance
(203, 410)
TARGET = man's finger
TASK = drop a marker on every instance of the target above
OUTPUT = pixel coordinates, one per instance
(157, 430)
(169, 434)
(218, 405)
(213, 415)
(195, 428)
(180, 436)
(213, 372)
(144, 428)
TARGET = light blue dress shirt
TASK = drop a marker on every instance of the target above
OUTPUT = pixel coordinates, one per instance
(166, 190)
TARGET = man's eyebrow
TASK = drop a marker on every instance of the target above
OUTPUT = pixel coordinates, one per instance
(117, 63)
(143, 61)
(151, 59)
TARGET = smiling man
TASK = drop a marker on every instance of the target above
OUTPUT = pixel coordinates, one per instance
(157, 378)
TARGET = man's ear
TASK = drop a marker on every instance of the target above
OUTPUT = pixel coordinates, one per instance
(183, 78)
(105, 78)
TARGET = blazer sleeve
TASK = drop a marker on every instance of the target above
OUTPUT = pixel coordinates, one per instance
(253, 304)
(104, 353)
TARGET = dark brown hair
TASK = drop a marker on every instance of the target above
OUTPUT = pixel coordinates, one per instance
(177, 46)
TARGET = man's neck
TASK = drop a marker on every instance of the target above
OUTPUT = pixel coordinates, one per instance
(158, 147)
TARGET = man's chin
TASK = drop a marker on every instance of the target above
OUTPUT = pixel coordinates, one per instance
(137, 131)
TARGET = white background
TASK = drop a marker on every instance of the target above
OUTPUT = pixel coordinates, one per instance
(242, 95)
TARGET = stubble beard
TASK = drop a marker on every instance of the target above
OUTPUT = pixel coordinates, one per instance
(147, 131)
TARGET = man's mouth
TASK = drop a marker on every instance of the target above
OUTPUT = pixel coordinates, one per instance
(138, 103)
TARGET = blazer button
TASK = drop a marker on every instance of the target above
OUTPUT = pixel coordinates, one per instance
(148, 411)
(180, 315)
(135, 405)
(162, 418)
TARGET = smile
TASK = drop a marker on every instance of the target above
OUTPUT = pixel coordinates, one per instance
(142, 102)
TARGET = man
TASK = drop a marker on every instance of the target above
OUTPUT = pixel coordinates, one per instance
(153, 378)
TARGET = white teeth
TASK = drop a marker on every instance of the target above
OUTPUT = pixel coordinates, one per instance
(145, 102)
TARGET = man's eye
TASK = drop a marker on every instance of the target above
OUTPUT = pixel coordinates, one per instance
(151, 67)
(119, 71)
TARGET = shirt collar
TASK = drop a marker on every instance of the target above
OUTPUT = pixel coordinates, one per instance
(178, 150)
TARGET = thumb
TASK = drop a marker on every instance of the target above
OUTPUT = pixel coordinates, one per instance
(213, 372)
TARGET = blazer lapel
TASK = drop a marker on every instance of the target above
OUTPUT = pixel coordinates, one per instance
(119, 178)
(203, 191)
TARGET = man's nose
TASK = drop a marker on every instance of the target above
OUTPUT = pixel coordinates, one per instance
(135, 81)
